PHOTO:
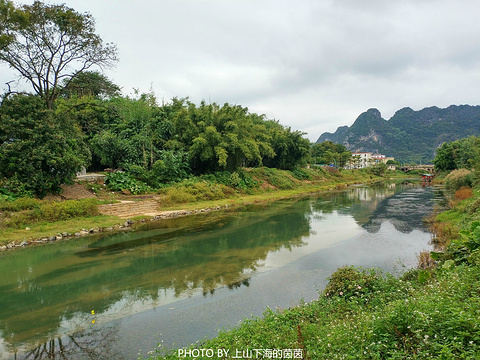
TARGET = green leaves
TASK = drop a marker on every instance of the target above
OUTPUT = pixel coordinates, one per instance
(39, 150)
(49, 43)
(472, 238)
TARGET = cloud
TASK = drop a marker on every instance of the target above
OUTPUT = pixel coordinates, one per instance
(315, 65)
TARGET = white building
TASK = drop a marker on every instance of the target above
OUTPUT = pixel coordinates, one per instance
(361, 160)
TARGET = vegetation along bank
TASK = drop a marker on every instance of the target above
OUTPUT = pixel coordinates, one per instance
(431, 312)
(28, 220)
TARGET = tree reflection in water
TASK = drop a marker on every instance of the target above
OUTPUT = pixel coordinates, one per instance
(97, 343)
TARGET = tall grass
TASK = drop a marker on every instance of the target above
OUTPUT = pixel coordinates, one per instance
(51, 212)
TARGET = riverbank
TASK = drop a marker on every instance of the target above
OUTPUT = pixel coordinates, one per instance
(27, 222)
(429, 312)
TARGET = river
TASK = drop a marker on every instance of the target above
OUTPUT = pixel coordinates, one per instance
(175, 282)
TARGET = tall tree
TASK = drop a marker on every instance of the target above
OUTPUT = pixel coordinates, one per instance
(50, 45)
(90, 83)
(39, 150)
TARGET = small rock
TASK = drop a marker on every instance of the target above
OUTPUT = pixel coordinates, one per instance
(3, 248)
(78, 234)
(58, 237)
(83, 232)
(65, 234)
(27, 228)
(52, 238)
(24, 243)
(130, 221)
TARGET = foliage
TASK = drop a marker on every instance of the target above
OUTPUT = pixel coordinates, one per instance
(50, 211)
(194, 190)
(50, 44)
(463, 193)
(39, 150)
(377, 169)
(330, 153)
(403, 319)
(21, 203)
(350, 282)
(228, 138)
(300, 174)
(89, 83)
(291, 149)
(276, 178)
(119, 181)
(240, 179)
(463, 153)
(458, 178)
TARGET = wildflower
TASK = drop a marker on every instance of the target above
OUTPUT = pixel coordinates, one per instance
(341, 293)
(359, 287)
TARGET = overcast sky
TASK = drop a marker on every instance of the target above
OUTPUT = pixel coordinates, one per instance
(312, 65)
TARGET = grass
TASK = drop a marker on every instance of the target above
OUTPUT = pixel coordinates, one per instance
(46, 229)
(387, 318)
(249, 186)
(429, 312)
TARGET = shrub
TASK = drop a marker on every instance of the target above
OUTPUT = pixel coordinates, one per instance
(119, 181)
(54, 211)
(301, 174)
(240, 179)
(278, 179)
(193, 190)
(458, 178)
(463, 193)
(349, 281)
(24, 203)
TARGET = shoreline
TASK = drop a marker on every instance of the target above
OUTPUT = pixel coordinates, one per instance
(173, 211)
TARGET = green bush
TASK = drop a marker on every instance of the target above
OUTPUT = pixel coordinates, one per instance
(54, 211)
(458, 178)
(277, 178)
(239, 179)
(349, 281)
(301, 174)
(119, 181)
(24, 203)
(193, 190)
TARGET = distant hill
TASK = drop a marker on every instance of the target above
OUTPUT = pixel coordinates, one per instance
(411, 136)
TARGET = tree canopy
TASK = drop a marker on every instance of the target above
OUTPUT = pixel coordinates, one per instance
(328, 152)
(39, 150)
(50, 45)
(463, 153)
(77, 117)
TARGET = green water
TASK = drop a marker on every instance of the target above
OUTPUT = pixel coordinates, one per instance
(179, 280)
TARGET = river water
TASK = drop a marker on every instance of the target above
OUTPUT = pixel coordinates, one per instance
(175, 282)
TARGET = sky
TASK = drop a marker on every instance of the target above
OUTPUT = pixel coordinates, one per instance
(313, 65)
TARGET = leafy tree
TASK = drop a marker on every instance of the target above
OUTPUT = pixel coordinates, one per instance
(328, 152)
(228, 137)
(50, 45)
(39, 150)
(463, 153)
(90, 83)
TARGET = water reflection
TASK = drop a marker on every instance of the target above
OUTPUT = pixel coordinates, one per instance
(57, 284)
(47, 293)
